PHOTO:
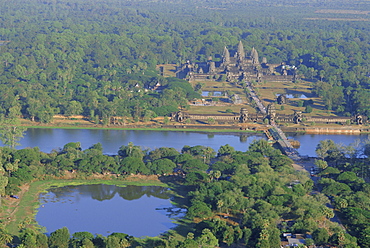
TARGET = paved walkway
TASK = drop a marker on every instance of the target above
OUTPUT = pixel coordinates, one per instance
(255, 98)
(280, 137)
(275, 131)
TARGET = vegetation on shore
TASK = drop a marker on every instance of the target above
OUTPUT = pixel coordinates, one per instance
(233, 198)
(100, 61)
(22, 213)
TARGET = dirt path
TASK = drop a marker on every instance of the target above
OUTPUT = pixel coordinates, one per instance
(11, 205)
(304, 165)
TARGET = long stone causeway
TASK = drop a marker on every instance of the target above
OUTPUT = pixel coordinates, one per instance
(286, 147)
(276, 133)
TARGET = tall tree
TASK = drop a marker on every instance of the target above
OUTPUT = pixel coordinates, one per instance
(59, 238)
(5, 237)
(131, 151)
(3, 184)
(207, 239)
(11, 131)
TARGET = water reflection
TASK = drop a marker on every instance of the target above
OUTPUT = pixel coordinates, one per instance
(309, 142)
(243, 138)
(210, 136)
(112, 140)
(103, 192)
(102, 209)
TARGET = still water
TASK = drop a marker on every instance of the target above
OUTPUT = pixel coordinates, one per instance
(112, 140)
(310, 141)
(211, 93)
(300, 96)
(104, 209)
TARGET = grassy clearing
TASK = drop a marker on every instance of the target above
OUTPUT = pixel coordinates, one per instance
(212, 85)
(218, 109)
(168, 70)
(149, 127)
(343, 11)
(269, 90)
(339, 19)
(217, 86)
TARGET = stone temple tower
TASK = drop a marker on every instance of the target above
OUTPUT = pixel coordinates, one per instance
(241, 53)
(211, 67)
(226, 57)
(254, 56)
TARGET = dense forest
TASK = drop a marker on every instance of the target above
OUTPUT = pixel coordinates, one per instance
(99, 60)
(248, 198)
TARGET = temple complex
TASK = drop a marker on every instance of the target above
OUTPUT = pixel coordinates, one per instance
(240, 66)
(246, 66)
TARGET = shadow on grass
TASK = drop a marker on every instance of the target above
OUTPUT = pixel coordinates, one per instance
(269, 100)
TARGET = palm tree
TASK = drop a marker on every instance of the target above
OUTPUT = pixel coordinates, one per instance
(328, 213)
(5, 237)
(207, 153)
(217, 174)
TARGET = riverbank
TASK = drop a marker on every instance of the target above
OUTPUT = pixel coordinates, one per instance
(158, 125)
(20, 213)
(330, 129)
(150, 126)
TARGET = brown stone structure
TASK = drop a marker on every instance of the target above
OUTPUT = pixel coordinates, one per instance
(297, 117)
(181, 117)
(243, 115)
(281, 99)
(240, 66)
(271, 115)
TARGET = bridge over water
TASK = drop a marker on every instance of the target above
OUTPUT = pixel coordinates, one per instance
(275, 132)
(284, 143)
(286, 147)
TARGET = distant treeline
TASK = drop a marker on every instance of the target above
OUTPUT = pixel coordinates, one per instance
(74, 57)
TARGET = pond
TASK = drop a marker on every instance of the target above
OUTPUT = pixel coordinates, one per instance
(103, 209)
(299, 96)
(211, 93)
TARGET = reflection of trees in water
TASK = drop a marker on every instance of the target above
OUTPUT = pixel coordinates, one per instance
(243, 138)
(103, 192)
(136, 192)
(173, 212)
(60, 193)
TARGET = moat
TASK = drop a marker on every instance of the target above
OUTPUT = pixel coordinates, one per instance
(111, 140)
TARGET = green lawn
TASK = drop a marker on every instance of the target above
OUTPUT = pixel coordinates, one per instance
(268, 92)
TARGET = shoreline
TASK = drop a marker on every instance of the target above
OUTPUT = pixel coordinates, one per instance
(253, 128)
(24, 210)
